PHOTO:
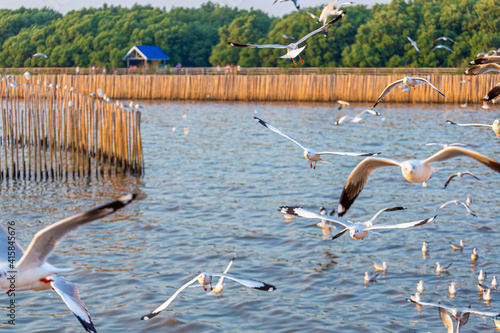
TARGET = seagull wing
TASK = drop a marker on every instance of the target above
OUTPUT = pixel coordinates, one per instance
(255, 284)
(341, 119)
(15, 254)
(445, 204)
(451, 310)
(474, 125)
(470, 174)
(327, 11)
(346, 153)
(386, 91)
(485, 60)
(299, 211)
(388, 209)
(46, 240)
(221, 279)
(446, 319)
(69, 294)
(463, 321)
(451, 152)
(467, 207)
(345, 4)
(168, 301)
(482, 313)
(312, 33)
(449, 180)
(433, 86)
(493, 93)
(313, 16)
(272, 46)
(481, 69)
(274, 129)
(340, 234)
(402, 225)
(358, 178)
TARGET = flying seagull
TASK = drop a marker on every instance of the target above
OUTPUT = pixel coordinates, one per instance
(414, 171)
(413, 43)
(493, 93)
(219, 286)
(458, 202)
(288, 37)
(38, 55)
(356, 119)
(309, 153)
(295, 2)
(444, 38)
(495, 126)
(481, 69)
(205, 279)
(293, 49)
(34, 273)
(441, 47)
(485, 60)
(329, 10)
(357, 231)
(460, 175)
(408, 82)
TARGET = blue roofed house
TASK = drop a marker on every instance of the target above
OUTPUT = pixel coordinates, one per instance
(142, 54)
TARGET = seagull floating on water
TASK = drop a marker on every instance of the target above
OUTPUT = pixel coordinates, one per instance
(442, 269)
(356, 231)
(458, 202)
(474, 256)
(293, 49)
(379, 267)
(495, 126)
(425, 247)
(481, 276)
(420, 286)
(414, 171)
(309, 153)
(458, 247)
(416, 297)
(451, 288)
(494, 282)
(371, 278)
(408, 82)
(32, 270)
(205, 279)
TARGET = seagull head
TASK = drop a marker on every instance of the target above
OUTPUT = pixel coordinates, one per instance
(204, 279)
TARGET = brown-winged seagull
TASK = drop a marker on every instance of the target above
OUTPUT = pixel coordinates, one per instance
(493, 93)
(481, 69)
(495, 126)
(485, 60)
(309, 153)
(414, 171)
(458, 202)
(408, 82)
(293, 49)
(33, 272)
(460, 175)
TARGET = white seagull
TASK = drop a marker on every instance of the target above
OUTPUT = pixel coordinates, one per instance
(460, 175)
(38, 55)
(330, 10)
(495, 126)
(425, 247)
(357, 231)
(451, 288)
(292, 49)
(371, 278)
(34, 273)
(444, 38)
(295, 2)
(414, 171)
(342, 104)
(494, 282)
(442, 269)
(441, 47)
(205, 279)
(481, 69)
(219, 286)
(416, 297)
(458, 247)
(288, 37)
(408, 82)
(481, 276)
(474, 256)
(309, 153)
(448, 323)
(382, 267)
(420, 286)
(461, 314)
(413, 43)
(356, 119)
(458, 202)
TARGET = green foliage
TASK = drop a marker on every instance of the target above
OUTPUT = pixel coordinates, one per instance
(365, 37)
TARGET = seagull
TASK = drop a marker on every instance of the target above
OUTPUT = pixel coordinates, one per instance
(288, 37)
(420, 286)
(448, 323)
(358, 117)
(451, 288)
(38, 55)
(313, 16)
(425, 247)
(487, 294)
(414, 171)
(493, 93)
(330, 10)
(474, 256)
(458, 247)
(326, 228)
(407, 81)
(219, 286)
(481, 276)
(460, 175)
(371, 278)
(295, 2)
(441, 47)
(485, 60)
(293, 49)
(442, 269)
(380, 268)
(416, 297)
(34, 273)
(342, 104)
(481, 69)
(413, 43)
(494, 282)
(444, 38)
(461, 314)
(357, 231)
(495, 126)
(458, 202)
(309, 153)
(205, 279)
(27, 76)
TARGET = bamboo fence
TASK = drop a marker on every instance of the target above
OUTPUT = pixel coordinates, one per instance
(54, 133)
(307, 88)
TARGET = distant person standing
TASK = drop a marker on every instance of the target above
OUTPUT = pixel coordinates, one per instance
(178, 67)
(218, 69)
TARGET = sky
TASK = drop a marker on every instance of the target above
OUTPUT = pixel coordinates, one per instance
(278, 9)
